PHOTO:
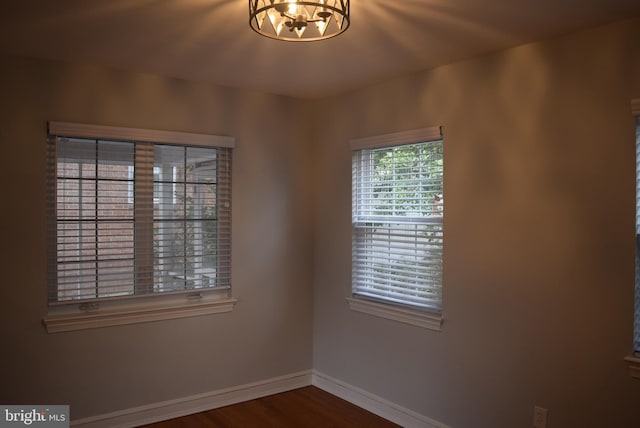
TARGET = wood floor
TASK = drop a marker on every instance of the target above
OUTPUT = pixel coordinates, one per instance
(307, 407)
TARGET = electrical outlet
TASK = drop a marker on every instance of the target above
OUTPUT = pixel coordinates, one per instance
(539, 417)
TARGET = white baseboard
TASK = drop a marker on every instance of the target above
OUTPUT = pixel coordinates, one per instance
(377, 405)
(165, 410)
(196, 403)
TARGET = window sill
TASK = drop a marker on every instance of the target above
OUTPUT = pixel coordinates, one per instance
(634, 366)
(72, 317)
(407, 316)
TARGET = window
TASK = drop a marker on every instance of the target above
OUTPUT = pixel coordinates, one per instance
(136, 214)
(636, 337)
(397, 218)
(634, 360)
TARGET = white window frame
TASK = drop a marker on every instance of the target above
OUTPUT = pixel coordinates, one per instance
(156, 176)
(634, 359)
(385, 309)
(104, 312)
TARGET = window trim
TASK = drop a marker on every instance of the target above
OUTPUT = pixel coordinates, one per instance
(395, 313)
(634, 366)
(635, 107)
(136, 309)
(104, 312)
(379, 308)
(101, 132)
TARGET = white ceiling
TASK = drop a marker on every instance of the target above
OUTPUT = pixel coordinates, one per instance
(210, 40)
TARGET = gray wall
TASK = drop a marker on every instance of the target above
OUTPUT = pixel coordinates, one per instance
(539, 246)
(269, 333)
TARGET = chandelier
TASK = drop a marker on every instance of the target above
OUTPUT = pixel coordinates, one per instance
(299, 20)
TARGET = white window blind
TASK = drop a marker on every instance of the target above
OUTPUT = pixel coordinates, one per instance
(397, 216)
(136, 212)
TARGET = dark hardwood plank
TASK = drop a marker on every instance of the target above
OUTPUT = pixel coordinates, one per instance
(307, 407)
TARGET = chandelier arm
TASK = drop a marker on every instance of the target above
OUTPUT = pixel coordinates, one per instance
(293, 18)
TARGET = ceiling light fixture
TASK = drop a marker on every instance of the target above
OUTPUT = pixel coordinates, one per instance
(299, 20)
